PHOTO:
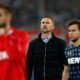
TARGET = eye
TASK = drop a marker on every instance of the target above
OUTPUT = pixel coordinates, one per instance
(43, 22)
(47, 22)
(73, 30)
(0, 15)
(69, 30)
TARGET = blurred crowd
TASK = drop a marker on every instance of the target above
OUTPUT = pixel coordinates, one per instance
(27, 13)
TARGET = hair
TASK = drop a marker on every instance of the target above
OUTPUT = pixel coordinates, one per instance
(6, 8)
(72, 22)
(48, 17)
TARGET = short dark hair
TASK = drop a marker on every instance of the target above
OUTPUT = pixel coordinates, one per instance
(72, 22)
(48, 17)
(6, 8)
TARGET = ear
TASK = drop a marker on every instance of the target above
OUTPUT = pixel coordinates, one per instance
(53, 26)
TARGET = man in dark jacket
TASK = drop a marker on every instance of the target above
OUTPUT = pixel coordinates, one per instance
(46, 54)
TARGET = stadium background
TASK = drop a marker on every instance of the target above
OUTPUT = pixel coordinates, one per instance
(27, 14)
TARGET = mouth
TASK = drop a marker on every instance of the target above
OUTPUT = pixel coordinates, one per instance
(44, 27)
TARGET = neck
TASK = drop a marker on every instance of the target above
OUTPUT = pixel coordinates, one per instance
(45, 35)
(77, 43)
(7, 28)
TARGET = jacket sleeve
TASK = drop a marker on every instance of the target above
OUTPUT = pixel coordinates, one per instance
(63, 57)
(29, 62)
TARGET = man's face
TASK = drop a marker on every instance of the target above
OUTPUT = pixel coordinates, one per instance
(4, 18)
(46, 25)
(74, 32)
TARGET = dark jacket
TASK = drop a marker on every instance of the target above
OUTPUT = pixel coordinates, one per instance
(46, 59)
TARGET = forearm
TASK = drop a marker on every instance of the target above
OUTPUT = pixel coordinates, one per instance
(65, 74)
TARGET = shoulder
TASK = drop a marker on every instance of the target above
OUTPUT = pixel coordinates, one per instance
(21, 33)
(60, 41)
(34, 41)
(68, 47)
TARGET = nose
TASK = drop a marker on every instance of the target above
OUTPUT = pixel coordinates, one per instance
(44, 25)
(70, 33)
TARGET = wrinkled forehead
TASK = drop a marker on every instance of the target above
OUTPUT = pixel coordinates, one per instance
(46, 20)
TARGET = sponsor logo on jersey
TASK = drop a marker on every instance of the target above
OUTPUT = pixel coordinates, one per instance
(75, 60)
(3, 55)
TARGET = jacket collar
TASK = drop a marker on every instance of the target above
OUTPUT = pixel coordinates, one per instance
(41, 34)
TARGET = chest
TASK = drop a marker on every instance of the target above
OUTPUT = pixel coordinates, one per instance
(73, 56)
(48, 51)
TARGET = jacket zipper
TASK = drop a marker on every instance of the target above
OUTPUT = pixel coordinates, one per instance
(44, 62)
